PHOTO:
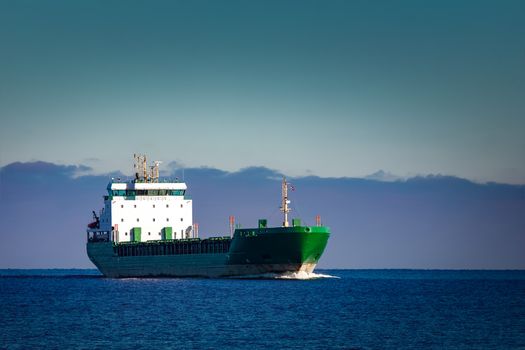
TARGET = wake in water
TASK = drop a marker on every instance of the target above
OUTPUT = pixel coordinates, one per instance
(299, 275)
(302, 275)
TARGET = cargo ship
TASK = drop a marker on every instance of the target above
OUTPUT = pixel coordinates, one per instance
(146, 229)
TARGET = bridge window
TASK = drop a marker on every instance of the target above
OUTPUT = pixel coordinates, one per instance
(176, 192)
(133, 193)
(117, 192)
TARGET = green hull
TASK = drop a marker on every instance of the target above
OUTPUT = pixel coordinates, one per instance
(251, 252)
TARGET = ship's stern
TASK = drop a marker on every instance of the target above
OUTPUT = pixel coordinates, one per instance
(101, 255)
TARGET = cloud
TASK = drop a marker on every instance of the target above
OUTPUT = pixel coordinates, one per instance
(40, 168)
(381, 175)
(91, 160)
(432, 221)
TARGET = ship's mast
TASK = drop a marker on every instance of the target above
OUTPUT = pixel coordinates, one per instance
(284, 204)
(145, 168)
(154, 171)
(140, 168)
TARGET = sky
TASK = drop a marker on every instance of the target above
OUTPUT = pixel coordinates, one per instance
(326, 88)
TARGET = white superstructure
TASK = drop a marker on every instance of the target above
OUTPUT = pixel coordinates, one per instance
(144, 210)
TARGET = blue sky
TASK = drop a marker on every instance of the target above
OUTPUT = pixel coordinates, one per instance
(331, 88)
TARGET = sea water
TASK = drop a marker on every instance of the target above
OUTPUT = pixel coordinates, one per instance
(331, 309)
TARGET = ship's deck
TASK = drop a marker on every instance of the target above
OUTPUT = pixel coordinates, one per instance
(217, 245)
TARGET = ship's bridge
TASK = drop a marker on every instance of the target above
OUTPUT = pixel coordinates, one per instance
(146, 188)
(144, 209)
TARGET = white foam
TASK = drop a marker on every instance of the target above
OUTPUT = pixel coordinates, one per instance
(303, 275)
(299, 275)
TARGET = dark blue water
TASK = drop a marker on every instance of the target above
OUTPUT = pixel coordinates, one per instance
(362, 309)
